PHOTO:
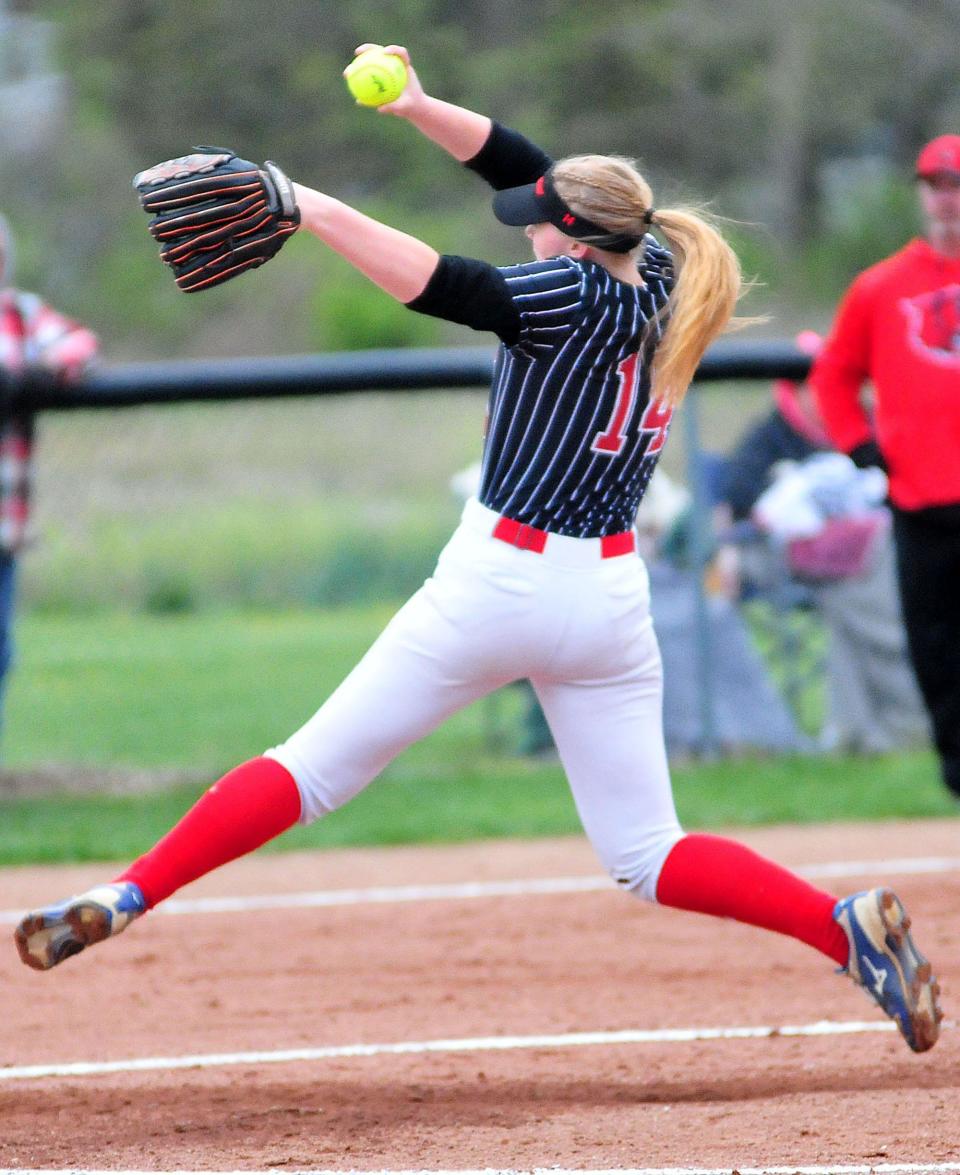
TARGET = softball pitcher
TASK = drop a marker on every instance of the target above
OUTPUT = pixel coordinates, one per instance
(599, 336)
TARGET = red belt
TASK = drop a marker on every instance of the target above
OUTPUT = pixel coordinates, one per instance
(529, 538)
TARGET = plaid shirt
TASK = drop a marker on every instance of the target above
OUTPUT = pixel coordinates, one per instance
(32, 335)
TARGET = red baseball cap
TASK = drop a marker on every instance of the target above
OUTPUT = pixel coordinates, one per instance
(939, 155)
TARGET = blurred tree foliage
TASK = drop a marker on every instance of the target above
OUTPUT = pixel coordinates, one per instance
(799, 118)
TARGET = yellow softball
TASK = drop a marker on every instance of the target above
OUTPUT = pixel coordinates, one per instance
(375, 78)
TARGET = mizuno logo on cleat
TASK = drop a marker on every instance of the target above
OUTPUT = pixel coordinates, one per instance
(879, 976)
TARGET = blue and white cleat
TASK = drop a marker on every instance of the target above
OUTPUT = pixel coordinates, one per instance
(47, 936)
(886, 964)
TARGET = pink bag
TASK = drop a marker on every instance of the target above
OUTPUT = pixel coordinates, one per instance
(841, 550)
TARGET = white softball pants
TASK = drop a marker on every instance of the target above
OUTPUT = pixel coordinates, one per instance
(576, 625)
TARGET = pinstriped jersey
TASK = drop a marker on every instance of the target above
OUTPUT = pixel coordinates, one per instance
(572, 433)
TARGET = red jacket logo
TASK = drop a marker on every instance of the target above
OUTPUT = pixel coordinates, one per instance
(933, 324)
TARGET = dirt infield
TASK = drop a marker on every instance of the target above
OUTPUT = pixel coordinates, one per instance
(454, 969)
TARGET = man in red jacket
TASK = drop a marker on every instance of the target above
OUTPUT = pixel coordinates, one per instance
(898, 327)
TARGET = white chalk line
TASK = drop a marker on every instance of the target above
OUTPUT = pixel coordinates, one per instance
(463, 1045)
(793, 1169)
(378, 895)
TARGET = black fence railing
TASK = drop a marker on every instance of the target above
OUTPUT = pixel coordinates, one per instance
(413, 369)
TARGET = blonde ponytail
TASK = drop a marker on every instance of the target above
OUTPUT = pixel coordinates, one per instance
(708, 284)
(611, 192)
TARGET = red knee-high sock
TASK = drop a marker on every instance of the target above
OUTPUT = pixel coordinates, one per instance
(251, 805)
(713, 875)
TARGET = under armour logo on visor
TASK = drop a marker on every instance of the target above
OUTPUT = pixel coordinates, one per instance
(568, 219)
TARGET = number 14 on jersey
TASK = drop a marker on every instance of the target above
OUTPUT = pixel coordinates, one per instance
(655, 419)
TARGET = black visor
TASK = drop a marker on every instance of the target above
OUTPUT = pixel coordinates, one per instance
(541, 203)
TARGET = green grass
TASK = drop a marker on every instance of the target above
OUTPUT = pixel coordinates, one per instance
(327, 501)
(242, 554)
(194, 690)
(432, 796)
(199, 692)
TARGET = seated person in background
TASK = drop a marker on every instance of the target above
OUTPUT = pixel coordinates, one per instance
(791, 431)
(837, 558)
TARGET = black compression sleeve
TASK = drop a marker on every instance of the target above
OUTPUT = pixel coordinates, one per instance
(471, 292)
(507, 159)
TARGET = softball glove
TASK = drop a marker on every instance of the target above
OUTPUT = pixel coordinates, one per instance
(215, 215)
